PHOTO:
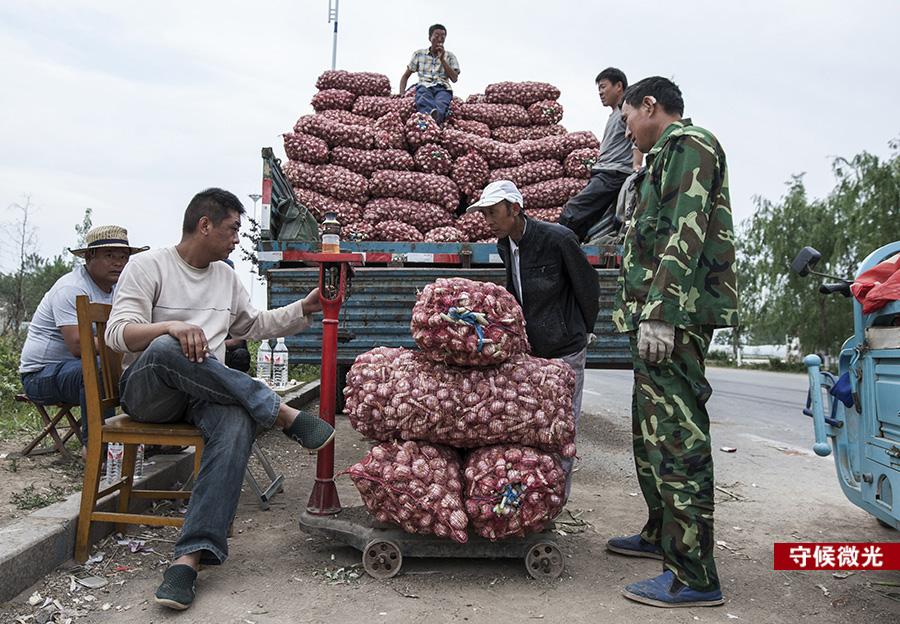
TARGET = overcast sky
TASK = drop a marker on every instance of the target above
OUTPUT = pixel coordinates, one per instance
(129, 108)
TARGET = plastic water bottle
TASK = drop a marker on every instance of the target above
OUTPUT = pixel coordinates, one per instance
(114, 453)
(264, 361)
(280, 364)
(139, 462)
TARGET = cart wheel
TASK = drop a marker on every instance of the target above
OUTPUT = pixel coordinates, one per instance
(382, 559)
(544, 561)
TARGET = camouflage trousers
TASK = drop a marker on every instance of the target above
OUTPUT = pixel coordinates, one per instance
(672, 454)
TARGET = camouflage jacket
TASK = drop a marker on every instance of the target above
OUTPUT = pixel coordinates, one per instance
(678, 263)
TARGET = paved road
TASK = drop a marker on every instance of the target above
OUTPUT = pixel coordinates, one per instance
(749, 404)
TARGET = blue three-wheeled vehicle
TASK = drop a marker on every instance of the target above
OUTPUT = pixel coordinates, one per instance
(863, 419)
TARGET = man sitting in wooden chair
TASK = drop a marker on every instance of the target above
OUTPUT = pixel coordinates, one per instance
(172, 310)
(50, 365)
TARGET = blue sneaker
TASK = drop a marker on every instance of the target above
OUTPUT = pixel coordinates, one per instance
(667, 591)
(634, 546)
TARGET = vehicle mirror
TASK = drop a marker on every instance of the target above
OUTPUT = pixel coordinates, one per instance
(805, 261)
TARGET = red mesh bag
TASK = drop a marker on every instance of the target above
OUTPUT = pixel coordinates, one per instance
(359, 83)
(318, 204)
(529, 173)
(579, 163)
(545, 113)
(450, 313)
(421, 215)
(548, 148)
(474, 226)
(521, 93)
(512, 490)
(359, 231)
(550, 215)
(305, 148)
(330, 180)
(397, 231)
(514, 134)
(470, 172)
(398, 393)
(446, 234)
(471, 126)
(380, 106)
(432, 158)
(496, 114)
(417, 186)
(366, 162)
(421, 129)
(335, 133)
(497, 154)
(389, 132)
(329, 99)
(346, 117)
(415, 485)
(551, 193)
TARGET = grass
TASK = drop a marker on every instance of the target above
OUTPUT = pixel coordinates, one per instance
(31, 498)
(17, 419)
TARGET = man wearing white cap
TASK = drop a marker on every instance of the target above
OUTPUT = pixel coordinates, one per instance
(50, 364)
(551, 279)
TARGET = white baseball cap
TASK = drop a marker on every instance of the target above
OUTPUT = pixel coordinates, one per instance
(496, 192)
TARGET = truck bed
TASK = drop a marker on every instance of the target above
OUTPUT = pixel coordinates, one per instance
(379, 308)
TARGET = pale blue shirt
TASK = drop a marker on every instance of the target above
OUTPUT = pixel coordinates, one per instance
(44, 344)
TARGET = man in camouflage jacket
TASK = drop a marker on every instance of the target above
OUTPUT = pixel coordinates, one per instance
(677, 284)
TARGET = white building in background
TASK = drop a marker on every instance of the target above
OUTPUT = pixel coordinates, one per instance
(753, 354)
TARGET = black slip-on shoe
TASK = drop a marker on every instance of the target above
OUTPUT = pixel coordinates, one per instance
(310, 431)
(177, 588)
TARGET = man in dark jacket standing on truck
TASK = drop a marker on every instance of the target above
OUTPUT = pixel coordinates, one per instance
(676, 286)
(618, 158)
(550, 277)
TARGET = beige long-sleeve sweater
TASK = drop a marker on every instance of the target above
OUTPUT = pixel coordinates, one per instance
(158, 286)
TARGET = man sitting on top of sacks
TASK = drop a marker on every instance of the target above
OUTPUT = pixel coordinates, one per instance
(436, 69)
(551, 279)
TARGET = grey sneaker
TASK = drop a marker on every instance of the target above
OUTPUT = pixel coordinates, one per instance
(177, 589)
(310, 431)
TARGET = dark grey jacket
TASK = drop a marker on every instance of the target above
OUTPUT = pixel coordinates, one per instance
(560, 287)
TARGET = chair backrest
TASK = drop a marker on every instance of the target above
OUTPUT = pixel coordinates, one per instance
(100, 365)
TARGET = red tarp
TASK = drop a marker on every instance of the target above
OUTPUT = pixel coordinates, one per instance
(878, 286)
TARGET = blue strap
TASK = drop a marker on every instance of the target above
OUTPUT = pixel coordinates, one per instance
(469, 319)
(510, 499)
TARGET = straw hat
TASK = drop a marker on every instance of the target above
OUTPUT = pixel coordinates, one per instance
(107, 237)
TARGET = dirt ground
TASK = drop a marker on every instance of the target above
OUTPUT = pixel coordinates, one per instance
(276, 573)
(34, 481)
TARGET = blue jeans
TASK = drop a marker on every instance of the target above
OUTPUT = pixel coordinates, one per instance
(163, 386)
(62, 382)
(434, 98)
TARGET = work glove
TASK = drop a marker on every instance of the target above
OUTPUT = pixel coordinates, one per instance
(655, 341)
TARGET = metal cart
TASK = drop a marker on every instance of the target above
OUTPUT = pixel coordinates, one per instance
(384, 547)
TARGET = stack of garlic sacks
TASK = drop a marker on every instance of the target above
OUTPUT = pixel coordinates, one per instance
(392, 174)
(467, 429)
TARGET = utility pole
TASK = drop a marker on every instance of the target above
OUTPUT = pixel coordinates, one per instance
(333, 17)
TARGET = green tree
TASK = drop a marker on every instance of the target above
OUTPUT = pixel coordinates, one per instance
(25, 288)
(84, 227)
(858, 216)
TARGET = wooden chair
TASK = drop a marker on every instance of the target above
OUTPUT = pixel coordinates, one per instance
(51, 425)
(101, 385)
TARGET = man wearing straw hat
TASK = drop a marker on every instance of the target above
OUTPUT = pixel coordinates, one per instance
(50, 364)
